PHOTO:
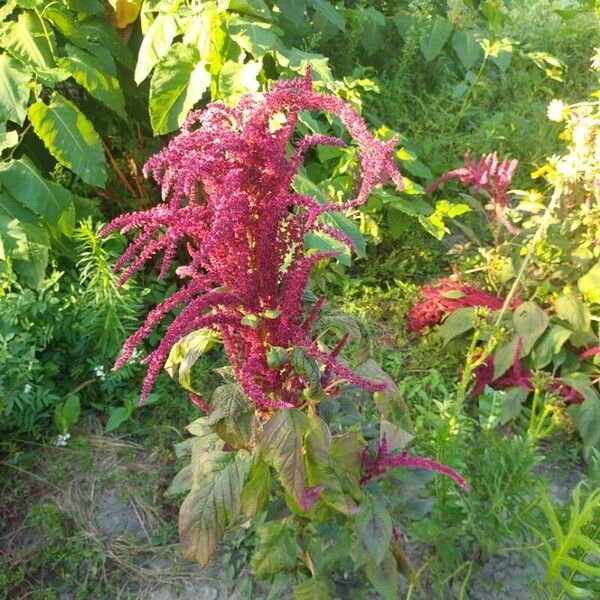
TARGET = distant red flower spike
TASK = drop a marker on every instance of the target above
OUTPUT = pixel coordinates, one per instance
(488, 175)
(446, 296)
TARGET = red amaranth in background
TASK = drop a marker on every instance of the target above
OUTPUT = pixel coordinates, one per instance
(228, 201)
(440, 299)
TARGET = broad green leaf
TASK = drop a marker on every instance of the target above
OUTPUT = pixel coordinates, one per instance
(212, 506)
(116, 418)
(255, 37)
(384, 576)
(281, 445)
(342, 472)
(587, 421)
(312, 589)
(298, 61)
(90, 34)
(231, 415)
(70, 137)
(238, 79)
(323, 242)
(256, 491)
(255, 8)
(293, 10)
(374, 528)
(155, 45)
(276, 549)
(184, 354)
(404, 22)
(97, 74)
(457, 323)
(497, 407)
(25, 183)
(182, 482)
(434, 37)
(26, 40)
(390, 402)
(373, 30)
(530, 322)
(8, 139)
(589, 284)
(504, 356)
(327, 10)
(467, 48)
(307, 368)
(90, 7)
(549, 345)
(178, 82)
(574, 312)
(350, 228)
(14, 89)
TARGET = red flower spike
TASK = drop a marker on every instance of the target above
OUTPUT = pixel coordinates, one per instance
(228, 202)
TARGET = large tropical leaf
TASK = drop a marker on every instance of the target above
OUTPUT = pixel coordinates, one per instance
(70, 137)
(14, 89)
(97, 73)
(155, 45)
(178, 82)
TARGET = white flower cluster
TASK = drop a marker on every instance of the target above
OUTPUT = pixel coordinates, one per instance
(27, 389)
(100, 372)
(62, 439)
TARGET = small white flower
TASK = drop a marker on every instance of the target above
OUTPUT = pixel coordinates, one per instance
(27, 389)
(100, 372)
(556, 110)
(62, 439)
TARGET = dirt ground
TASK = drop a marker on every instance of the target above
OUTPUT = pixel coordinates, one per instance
(103, 508)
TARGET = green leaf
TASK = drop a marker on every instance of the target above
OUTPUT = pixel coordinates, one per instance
(307, 368)
(70, 137)
(8, 139)
(25, 39)
(589, 284)
(530, 321)
(325, 243)
(457, 323)
(349, 227)
(373, 30)
(574, 312)
(117, 417)
(434, 37)
(231, 415)
(182, 482)
(467, 48)
(549, 345)
(255, 8)
(14, 89)
(178, 82)
(212, 506)
(255, 37)
(312, 589)
(390, 402)
(25, 183)
(155, 45)
(90, 7)
(384, 576)
(91, 34)
(238, 79)
(185, 353)
(66, 414)
(276, 549)
(374, 528)
(256, 492)
(281, 445)
(329, 12)
(97, 74)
